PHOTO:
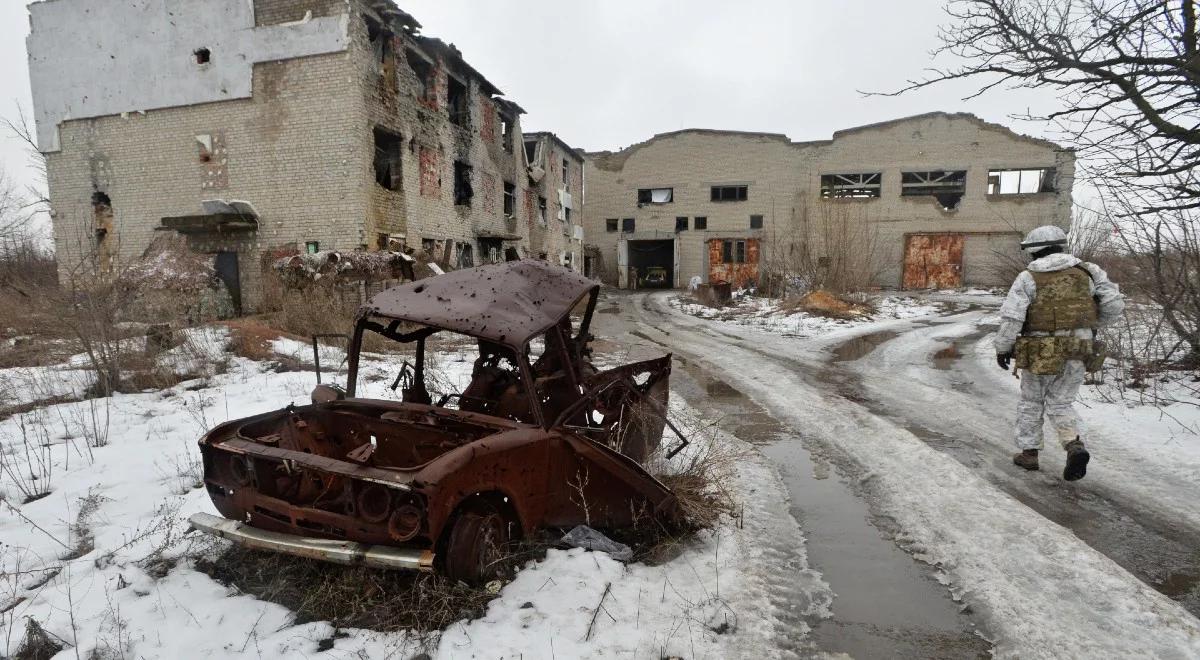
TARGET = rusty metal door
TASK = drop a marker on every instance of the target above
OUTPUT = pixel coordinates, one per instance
(933, 261)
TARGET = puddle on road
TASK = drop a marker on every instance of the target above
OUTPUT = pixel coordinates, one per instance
(887, 604)
(859, 347)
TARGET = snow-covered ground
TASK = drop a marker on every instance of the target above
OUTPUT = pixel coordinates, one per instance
(103, 564)
(766, 314)
(1042, 591)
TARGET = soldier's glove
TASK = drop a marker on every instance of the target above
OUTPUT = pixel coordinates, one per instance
(1004, 359)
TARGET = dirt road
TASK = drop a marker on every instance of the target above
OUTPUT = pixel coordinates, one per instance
(896, 528)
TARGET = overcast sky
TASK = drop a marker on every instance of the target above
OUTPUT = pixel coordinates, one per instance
(606, 74)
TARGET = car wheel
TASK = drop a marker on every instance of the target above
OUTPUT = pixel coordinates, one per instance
(476, 545)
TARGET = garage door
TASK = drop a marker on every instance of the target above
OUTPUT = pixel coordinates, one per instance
(933, 261)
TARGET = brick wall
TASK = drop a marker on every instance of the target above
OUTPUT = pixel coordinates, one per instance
(783, 180)
(273, 12)
(292, 151)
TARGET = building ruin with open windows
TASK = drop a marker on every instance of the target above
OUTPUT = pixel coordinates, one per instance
(932, 201)
(262, 128)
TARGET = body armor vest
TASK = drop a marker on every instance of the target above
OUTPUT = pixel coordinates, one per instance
(1063, 301)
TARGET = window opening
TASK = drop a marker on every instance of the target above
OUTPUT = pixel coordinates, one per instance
(730, 193)
(1021, 182)
(851, 186)
(655, 195)
(389, 148)
(462, 184)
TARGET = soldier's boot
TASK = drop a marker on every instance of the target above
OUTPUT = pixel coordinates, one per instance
(1027, 459)
(1077, 460)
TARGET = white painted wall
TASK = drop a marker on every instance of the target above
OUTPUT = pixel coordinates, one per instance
(94, 58)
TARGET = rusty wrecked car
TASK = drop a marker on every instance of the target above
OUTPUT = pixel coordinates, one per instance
(539, 438)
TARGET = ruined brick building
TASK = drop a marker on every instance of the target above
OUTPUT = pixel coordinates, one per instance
(260, 128)
(935, 200)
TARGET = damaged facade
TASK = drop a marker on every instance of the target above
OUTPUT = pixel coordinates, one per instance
(264, 128)
(938, 200)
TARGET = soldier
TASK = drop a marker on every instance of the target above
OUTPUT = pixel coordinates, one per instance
(1047, 324)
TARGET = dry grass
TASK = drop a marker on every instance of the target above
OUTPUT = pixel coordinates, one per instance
(349, 596)
(828, 305)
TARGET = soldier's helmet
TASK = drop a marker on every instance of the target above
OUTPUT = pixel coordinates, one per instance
(1044, 237)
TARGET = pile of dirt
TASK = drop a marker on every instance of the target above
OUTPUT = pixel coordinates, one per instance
(823, 303)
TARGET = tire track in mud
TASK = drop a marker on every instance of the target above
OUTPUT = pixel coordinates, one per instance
(1158, 552)
(887, 604)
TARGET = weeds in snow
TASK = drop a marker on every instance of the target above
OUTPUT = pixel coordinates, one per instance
(26, 461)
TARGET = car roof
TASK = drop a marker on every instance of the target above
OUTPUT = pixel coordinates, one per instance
(507, 303)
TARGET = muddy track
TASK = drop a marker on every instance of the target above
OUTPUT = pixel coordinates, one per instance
(888, 604)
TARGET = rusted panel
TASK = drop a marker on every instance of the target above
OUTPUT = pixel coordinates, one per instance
(491, 190)
(431, 174)
(487, 115)
(933, 261)
(738, 274)
(547, 442)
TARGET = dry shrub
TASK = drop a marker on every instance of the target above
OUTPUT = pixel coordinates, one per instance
(349, 596)
(251, 339)
(38, 644)
(828, 305)
(322, 308)
(834, 247)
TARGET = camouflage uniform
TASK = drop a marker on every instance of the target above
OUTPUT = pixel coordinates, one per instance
(1047, 323)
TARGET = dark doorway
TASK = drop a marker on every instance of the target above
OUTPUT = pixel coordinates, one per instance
(653, 262)
(226, 265)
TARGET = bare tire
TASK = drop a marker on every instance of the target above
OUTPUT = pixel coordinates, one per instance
(476, 545)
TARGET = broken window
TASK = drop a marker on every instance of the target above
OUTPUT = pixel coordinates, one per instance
(851, 186)
(1021, 182)
(424, 71)
(756, 222)
(542, 211)
(428, 246)
(202, 55)
(681, 223)
(733, 252)
(462, 184)
(654, 195)
(381, 241)
(627, 226)
(530, 151)
(700, 223)
(566, 174)
(382, 45)
(730, 193)
(610, 224)
(389, 147)
(510, 199)
(102, 214)
(312, 247)
(947, 187)
(457, 102)
(490, 249)
(506, 132)
(466, 256)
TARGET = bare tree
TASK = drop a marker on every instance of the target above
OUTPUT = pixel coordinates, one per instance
(1127, 73)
